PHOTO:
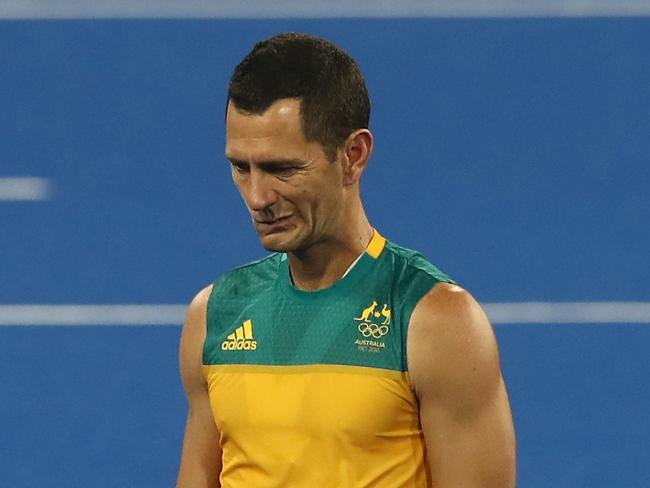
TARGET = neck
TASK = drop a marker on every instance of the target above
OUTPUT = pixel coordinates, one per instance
(325, 262)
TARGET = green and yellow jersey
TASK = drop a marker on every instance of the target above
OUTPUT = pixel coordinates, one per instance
(310, 388)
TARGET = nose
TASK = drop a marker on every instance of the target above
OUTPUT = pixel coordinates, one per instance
(259, 192)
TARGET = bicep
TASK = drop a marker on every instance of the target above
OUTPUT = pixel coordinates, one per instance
(475, 450)
(464, 409)
(201, 455)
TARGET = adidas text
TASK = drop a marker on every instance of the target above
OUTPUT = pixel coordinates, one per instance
(238, 345)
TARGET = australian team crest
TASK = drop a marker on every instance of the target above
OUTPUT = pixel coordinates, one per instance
(374, 323)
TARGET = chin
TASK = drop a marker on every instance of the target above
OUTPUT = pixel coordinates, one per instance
(278, 243)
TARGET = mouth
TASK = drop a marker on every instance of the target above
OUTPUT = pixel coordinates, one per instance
(275, 224)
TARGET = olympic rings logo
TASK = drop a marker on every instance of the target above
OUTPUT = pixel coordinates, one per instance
(368, 329)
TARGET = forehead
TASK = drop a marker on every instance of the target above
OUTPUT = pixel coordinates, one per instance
(253, 136)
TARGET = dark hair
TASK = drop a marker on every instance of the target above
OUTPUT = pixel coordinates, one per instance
(333, 93)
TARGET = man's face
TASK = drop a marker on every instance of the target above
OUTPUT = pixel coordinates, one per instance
(293, 192)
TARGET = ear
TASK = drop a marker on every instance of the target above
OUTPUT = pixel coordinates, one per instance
(358, 148)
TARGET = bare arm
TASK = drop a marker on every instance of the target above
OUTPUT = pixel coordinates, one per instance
(464, 409)
(201, 456)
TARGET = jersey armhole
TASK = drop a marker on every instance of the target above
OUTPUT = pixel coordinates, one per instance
(418, 287)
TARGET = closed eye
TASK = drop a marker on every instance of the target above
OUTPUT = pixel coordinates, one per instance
(239, 166)
(281, 168)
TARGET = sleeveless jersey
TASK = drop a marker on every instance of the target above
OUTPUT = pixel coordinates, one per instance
(310, 388)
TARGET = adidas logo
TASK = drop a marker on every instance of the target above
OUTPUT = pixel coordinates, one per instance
(241, 339)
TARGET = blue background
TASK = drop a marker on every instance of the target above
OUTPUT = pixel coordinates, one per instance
(512, 153)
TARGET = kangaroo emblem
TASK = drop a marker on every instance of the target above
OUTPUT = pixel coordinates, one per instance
(365, 315)
(385, 311)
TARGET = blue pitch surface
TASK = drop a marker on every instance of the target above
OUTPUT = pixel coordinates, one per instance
(513, 153)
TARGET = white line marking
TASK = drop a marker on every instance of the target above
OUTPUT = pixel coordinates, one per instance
(94, 9)
(499, 313)
(92, 314)
(24, 189)
(569, 313)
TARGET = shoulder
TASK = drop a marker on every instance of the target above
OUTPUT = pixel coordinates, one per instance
(451, 344)
(200, 300)
(448, 303)
(195, 319)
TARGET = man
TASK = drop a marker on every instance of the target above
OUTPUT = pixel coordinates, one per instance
(341, 360)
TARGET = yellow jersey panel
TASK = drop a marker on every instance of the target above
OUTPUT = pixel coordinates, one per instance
(316, 426)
